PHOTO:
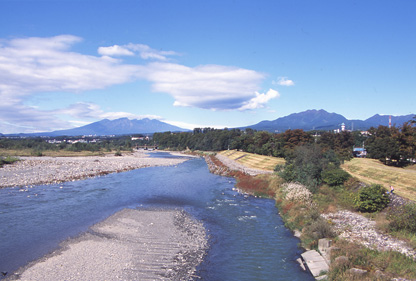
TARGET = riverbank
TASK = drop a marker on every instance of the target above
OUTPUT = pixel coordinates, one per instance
(366, 251)
(51, 170)
(130, 245)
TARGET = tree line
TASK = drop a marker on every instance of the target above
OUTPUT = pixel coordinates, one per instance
(392, 146)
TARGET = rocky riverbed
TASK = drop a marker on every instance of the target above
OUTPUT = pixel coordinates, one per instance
(130, 245)
(357, 228)
(49, 170)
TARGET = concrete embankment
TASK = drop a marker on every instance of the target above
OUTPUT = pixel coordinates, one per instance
(130, 245)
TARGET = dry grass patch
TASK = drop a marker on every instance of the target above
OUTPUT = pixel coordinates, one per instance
(254, 161)
(372, 171)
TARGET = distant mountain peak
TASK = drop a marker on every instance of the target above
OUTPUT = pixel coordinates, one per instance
(120, 126)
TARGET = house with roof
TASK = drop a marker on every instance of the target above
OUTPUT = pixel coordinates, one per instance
(359, 152)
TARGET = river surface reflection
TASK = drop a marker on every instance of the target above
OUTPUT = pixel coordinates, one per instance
(248, 240)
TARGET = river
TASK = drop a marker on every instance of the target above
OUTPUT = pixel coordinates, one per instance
(248, 240)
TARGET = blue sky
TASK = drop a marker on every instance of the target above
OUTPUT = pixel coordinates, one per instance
(219, 64)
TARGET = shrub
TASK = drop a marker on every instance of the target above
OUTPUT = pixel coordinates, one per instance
(118, 153)
(321, 229)
(335, 177)
(372, 198)
(7, 160)
(403, 218)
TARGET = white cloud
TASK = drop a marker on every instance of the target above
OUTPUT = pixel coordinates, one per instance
(284, 81)
(260, 100)
(213, 87)
(148, 53)
(43, 64)
(115, 50)
(144, 51)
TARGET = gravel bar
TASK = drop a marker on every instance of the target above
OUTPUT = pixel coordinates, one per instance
(51, 170)
(132, 244)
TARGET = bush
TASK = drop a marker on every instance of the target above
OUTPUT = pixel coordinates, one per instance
(7, 160)
(372, 198)
(403, 218)
(335, 177)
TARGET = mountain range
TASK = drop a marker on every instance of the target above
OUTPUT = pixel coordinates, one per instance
(306, 120)
(323, 120)
(121, 126)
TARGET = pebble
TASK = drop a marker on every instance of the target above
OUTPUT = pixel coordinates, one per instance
(51, 170)
(357, 228)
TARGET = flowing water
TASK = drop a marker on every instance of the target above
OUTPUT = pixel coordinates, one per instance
(248, 240)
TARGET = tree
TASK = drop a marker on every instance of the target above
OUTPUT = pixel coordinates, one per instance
(372, 198)
(306, 164)
(383, 145)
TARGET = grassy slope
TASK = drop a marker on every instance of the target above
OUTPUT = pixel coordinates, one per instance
(253, 160)
(373, 171)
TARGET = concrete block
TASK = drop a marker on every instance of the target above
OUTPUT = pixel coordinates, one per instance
(315, 262)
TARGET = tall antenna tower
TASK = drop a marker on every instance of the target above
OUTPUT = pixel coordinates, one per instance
(389, 121)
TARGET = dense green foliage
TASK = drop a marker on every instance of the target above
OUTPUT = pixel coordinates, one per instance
(307, 163)
(392, 146)
(75, 144)
(403, 218)
(372, 198)
(335, 177)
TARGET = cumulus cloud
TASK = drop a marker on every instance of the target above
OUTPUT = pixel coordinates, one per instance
(43, 65)
(284, 81)
(260, 100)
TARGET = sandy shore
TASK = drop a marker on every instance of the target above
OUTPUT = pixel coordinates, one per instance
(130, 245)
(49, 170)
